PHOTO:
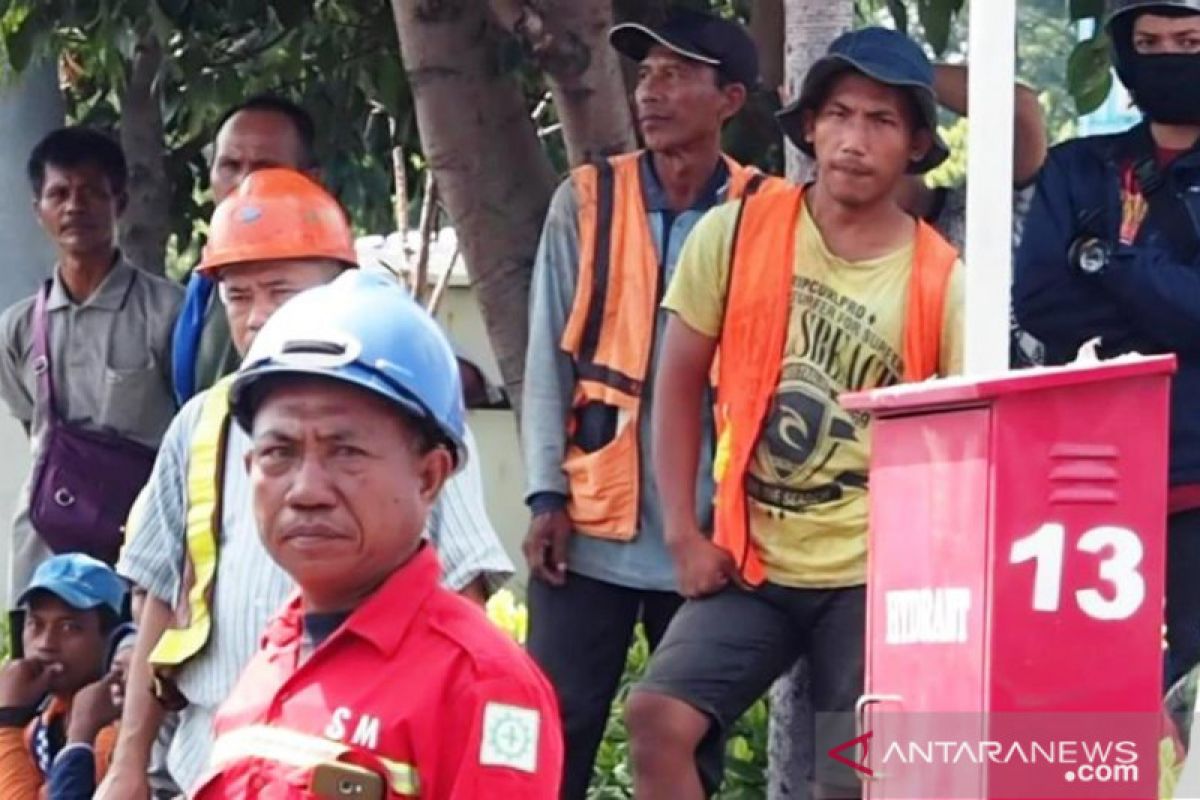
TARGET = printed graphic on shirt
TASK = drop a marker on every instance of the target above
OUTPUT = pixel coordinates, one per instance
(812, 450)
(365, 730)
(510, 737)
(807, 480)
(1133, 206)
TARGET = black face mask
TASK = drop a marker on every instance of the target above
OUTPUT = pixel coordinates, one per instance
(1167, 87)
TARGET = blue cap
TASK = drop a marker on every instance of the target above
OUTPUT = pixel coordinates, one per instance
(80, 581)
(884, 55)
(720, 43)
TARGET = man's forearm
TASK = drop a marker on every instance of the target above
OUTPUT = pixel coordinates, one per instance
(1029, 136)
(677, 419)
(143, 714)
(476, 591)
(950, 83)
(676, 459)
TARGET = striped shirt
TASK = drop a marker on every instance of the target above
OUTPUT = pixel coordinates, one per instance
(249, 586)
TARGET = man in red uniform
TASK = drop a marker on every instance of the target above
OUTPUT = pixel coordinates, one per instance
(374, 681)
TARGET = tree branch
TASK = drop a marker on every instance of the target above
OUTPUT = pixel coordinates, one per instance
(247, 55)
(555, 51)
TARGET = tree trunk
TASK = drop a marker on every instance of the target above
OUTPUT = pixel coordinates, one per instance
(486, 158)
(30, 107)
(810, 27)
(146, 223)
(767, 29)
(569, 41)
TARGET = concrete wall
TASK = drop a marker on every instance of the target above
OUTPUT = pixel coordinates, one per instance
(496, 431)
(30, 107)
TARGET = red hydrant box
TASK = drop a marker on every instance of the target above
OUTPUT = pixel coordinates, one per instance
(1015, 584)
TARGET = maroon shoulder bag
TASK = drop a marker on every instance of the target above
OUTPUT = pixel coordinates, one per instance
(84, 481)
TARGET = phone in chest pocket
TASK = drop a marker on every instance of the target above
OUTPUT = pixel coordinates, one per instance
(336, 780)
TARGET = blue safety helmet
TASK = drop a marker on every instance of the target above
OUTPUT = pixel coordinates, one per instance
(362, 329)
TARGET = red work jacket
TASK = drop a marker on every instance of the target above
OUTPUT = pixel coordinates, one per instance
(416, 686)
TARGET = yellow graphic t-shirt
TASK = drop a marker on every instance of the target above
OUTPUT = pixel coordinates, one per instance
(807, 483)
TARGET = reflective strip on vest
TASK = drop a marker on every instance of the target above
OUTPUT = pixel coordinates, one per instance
(302, 751)
(610, 336)
(206, 468)
(753, 333)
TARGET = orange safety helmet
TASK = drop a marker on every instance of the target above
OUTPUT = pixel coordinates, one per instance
(277, 214)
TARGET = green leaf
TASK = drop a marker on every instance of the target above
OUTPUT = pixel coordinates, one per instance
(739, 749)
(1089, 78)
(935, 16)
(291, 13)
(21, 42)
(899, 14)
(1085, 9)
(175, 10)
(389, 88)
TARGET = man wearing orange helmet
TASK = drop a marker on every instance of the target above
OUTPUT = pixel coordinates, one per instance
(193, 541)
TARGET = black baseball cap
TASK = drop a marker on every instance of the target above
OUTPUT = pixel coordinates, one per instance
(883, 55)
(695, 35)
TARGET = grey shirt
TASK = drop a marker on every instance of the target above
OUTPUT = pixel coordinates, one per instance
(111, 367)
(644, 562)
(110, 356)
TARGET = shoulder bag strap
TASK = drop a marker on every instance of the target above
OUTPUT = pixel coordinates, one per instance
(41, 354)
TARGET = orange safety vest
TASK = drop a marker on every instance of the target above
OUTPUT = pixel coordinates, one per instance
(610, 335)
(757, 310)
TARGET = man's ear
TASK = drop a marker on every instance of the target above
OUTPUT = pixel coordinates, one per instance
(808, 124)
(433, 470)
(248, 460)
(735, 98)
(922, 143)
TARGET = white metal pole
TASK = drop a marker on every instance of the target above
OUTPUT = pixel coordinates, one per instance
(992, 56)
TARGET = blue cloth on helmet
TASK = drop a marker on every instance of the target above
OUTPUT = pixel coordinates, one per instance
(185, 341)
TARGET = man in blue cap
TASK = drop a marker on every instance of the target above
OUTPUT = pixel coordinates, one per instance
(810, 292)
(71, 609)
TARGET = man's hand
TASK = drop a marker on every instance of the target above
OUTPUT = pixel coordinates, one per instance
(123, 782)
(545, 546)
(704, 568)
(95, 707)
(24, 682)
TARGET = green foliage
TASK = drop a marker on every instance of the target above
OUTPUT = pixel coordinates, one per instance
(1045, 42)
(936, 18)
(745, 752)
(1088, 75)
(952, 171)
(1085, 65)
(337, 58)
